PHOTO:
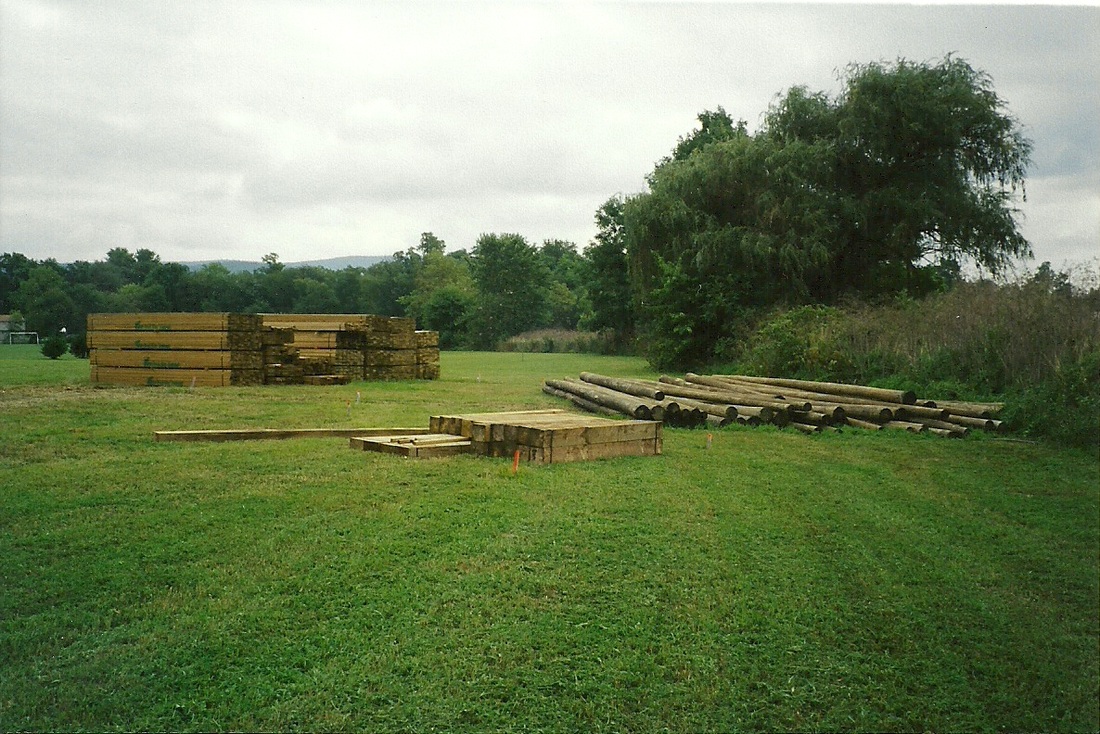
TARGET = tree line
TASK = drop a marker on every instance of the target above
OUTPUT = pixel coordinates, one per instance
(503, 286)
(886, 188)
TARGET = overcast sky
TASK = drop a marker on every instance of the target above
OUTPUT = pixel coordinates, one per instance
(207, 130)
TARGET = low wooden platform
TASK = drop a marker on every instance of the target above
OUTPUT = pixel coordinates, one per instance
(551, 436)
(420, 446)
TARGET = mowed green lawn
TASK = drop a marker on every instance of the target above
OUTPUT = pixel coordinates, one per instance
(774, 581)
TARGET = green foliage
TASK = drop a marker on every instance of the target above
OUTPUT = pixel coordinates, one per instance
(78, 345)
(609, 289)
(911, 170)
(54, 346)
(44, 300)
(797, 343)
(1064, 408)
(1034, 343)
(511, 288)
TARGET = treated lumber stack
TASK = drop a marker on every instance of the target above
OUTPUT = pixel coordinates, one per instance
(427, 355)
(551, 436)
(180, 349)
(358, 346)
(810, 407)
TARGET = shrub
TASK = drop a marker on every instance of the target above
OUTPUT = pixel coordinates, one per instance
(78, 345)
(54, 346)
(799, 342)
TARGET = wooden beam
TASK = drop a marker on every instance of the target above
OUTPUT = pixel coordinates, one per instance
(253, 434)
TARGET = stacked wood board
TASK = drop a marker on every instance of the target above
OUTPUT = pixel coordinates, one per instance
(180, 349)
(551, 436)
(359, 346)
(427, 355)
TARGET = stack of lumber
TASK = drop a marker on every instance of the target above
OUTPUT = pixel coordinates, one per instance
(181, 349)
(427, 355)
(550, 436)
(807, 406)
(356, 346)
(281, 365)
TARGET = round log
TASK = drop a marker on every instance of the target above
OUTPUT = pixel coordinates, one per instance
(630, 387)
(904, 397)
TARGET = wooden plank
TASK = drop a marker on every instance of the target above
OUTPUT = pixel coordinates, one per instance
(134, 376)
(315, 340)
(160, 322)
(169, 340)
(259, 434)
(371, 322)
(176, 359)
(389, 357)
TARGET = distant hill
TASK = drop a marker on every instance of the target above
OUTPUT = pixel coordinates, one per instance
(332, 263)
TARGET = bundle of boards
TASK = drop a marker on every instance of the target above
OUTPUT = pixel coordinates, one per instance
(182, 349)
(222, 349)
(808, 406)
(363, 346)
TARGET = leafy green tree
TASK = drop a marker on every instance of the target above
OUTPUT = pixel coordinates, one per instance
(911, 170)
(315, 296)
(926, 166)
(14, 269)
(443, 293)
(448, 311)
(124, 265)
(389, 282)
(78, 344)
(430, 244)
(609, 289)
(511, 293)
(138, 298)
(217, 289)
(44, 300)
(178, 285)
(54, 346)
(567, 291)
(347, 286)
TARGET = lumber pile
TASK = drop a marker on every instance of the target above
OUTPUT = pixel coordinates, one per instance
(181, 349)
(427, 355)
(550, 436)
(360, 346)
(810, 407)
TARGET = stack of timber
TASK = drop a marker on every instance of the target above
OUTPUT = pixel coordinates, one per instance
(180, 349)
(550, 436)
(810, 407)
(356, 346)
(427, 355)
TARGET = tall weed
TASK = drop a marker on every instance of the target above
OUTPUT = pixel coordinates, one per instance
(1035, 341)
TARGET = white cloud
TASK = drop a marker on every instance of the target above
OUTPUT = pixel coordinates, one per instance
(210, 129)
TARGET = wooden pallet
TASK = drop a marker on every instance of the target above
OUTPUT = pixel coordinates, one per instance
(419, 446)
(145, 377)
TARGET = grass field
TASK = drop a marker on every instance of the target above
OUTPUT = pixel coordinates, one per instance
(775, 581)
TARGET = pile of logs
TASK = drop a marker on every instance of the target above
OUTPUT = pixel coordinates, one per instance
(810, 407)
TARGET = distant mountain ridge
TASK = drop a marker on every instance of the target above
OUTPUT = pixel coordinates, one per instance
(332, 263)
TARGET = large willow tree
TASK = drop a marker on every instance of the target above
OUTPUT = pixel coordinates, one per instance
(910, 171)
